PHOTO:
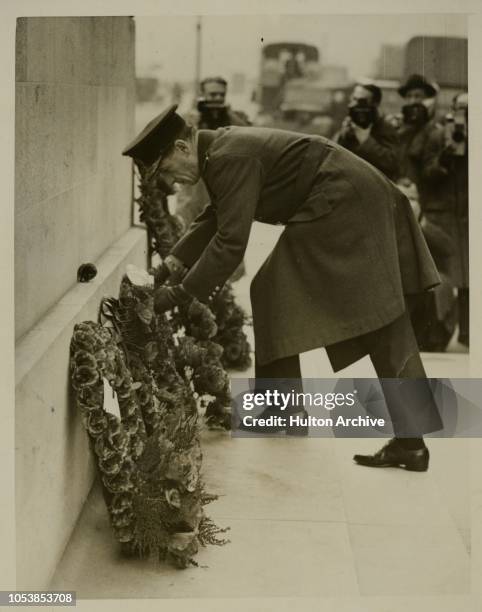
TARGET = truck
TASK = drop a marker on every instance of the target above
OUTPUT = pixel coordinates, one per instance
(280, 63)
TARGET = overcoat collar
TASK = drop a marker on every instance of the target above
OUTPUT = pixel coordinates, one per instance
(204, 140)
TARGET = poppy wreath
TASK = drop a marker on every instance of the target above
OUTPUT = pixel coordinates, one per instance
(149, 459)
(177, 350)
(198, 358)
(230, 320)
(165, 230)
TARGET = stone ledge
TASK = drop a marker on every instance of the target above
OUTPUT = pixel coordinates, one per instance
(32, 345)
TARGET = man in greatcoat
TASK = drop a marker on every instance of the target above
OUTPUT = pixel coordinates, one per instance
(350, 257)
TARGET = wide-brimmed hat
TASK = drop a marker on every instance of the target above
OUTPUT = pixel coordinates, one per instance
(417, 81)
(158, 135)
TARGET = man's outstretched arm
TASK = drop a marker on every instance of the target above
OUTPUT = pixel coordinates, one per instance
(235, 183)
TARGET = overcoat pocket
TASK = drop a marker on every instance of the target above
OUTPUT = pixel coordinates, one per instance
(324, 197)
(317, 205)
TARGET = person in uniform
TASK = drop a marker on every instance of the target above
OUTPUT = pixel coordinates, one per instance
(367, 133)
(340, 275)
(213, 110)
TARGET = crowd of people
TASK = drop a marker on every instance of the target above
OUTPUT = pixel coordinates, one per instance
(428, 160)
(426, 157)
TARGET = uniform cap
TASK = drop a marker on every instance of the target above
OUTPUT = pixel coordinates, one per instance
(158, 135)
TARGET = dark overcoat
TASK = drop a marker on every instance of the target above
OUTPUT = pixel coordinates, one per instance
(447, 205)
(458, 204)
(380, 148)
(350, 250)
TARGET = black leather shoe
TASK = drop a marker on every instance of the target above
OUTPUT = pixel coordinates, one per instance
(393, 455)
(279, 422)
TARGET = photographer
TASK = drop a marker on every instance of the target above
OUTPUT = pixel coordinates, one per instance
(453, 160)
(366, 133)
(427, 153)
(213, 112)
(419, 140)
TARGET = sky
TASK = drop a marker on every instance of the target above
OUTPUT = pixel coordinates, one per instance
(233, 43)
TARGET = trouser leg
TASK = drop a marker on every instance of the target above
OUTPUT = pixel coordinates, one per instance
(395, 356)
(288, 367)
(283, 375)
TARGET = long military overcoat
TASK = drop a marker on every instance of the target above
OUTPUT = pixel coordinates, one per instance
(350, 250)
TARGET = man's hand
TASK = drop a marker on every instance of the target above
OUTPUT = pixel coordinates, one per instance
(166, 298)
(171, 269)
(346, 128)
(161, 274)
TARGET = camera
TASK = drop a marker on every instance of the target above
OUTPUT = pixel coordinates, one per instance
(415, 114)
(213, 114)
(362, 113)
(206, 106)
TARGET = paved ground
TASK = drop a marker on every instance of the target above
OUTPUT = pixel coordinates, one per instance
(306, 522)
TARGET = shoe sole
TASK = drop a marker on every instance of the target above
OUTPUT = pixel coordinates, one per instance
(404, 466)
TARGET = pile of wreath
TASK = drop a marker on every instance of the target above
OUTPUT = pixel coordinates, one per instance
(149, 459)
(166, 371)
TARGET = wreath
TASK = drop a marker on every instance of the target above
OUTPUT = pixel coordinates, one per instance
(164, 230)
(149, 458)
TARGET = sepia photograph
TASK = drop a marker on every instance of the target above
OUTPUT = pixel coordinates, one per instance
(247, 356)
